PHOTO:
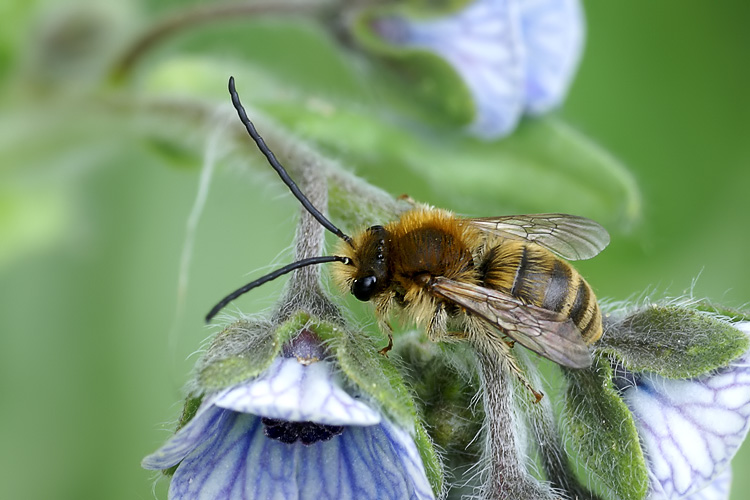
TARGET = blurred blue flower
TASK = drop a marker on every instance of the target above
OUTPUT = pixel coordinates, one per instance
(691, 429)
(292, 432)
(514, 56)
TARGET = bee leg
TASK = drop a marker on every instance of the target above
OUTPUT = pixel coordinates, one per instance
(387, 328)
(436, 329)
(381, 312)
(457, 335)
(518, 373)
(487, 340)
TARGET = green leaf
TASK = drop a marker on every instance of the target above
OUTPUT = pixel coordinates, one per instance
(733, 314)
(192, 403)
(603, 433)
(545, 166)
(430, 459)
(673, 341)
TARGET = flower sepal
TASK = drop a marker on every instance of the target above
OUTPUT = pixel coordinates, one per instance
(673, 341)
(242, 350)
(602, 431)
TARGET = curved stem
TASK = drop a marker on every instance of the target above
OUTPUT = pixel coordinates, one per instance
(201, 15)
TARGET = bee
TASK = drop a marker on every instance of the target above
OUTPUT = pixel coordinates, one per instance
(491, 281)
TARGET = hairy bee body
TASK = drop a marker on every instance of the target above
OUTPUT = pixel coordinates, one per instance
(407, 255)
(485, 280)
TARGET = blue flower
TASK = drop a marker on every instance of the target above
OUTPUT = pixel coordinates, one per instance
(292, 432)
(514, 56)
(691, 429)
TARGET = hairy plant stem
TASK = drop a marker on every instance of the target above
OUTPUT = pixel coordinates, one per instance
(505, 474)
(303, 290)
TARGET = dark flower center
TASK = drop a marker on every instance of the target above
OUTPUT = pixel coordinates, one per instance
(306, 432)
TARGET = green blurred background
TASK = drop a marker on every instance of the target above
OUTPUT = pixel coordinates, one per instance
(94, 348)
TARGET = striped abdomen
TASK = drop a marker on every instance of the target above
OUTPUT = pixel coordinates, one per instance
(536, 276)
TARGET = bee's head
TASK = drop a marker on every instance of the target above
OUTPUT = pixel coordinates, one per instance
(368, 273)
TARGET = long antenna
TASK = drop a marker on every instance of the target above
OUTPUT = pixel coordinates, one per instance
(272, 276)
(279, 168)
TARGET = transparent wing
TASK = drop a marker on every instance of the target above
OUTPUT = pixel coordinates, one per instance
(569, 236)
(547, 333)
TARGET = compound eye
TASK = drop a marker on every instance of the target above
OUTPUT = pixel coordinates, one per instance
(364, 288)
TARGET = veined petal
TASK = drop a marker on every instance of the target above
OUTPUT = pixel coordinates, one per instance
(691, 429)
(371, 462)
(294, 392)
(482, 42)
(206, 422)
(553, 36)
(717, 490)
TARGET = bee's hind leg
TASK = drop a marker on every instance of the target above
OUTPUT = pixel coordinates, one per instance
(437, 329)
(489, 341)
(513, 365)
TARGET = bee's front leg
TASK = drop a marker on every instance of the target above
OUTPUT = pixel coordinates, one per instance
(382, 309)
(388, 329)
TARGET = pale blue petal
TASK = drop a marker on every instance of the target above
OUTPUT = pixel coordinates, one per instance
(553, 36)
(241, 463)
(295, 392)
(482, 42)
(718, 489)
(691, 429)
(203, 426)
(411, 461)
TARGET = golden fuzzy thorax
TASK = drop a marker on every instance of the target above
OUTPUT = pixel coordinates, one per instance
(423, 242)
(409, 221)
